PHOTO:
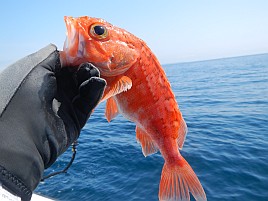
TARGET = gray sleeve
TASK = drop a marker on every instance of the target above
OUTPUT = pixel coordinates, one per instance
(42, 111)
(26, 90)
(13, 76)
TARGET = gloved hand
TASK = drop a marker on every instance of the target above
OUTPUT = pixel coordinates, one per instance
(43, 108)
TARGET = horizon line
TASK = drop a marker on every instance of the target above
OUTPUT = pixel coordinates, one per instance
(213, 59)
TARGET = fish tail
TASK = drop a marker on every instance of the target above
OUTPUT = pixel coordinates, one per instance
(178, 180)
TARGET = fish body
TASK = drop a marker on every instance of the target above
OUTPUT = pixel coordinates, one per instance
(137, 88)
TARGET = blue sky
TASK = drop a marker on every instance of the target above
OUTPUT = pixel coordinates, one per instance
(176, 31)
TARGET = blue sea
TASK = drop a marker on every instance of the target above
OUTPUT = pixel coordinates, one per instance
(225, 105)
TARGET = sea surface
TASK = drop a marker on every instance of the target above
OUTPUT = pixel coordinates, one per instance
(225, 105)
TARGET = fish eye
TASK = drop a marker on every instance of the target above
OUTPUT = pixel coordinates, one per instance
(98, 31)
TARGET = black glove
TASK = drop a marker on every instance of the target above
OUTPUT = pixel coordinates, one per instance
(43, 108)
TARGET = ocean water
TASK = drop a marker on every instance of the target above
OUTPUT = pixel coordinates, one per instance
(225, 105)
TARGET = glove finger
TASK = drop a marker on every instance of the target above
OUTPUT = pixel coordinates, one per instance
(90, 93)
(85, 72)
(91, 88)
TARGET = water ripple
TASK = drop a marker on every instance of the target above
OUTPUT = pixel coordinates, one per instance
(225, 105)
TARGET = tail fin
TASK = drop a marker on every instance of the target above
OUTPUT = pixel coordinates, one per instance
(177, 181)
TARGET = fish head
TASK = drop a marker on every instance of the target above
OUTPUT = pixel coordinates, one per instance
(109, 48)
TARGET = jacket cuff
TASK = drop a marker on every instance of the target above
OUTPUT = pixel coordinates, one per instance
(10, 181)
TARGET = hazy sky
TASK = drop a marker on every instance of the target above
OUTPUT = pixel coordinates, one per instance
(176, 31)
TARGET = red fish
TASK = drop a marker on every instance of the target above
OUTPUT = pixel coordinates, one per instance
(137, 88)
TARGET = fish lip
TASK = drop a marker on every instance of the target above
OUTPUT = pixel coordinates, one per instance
(71, 36)
(74, 45)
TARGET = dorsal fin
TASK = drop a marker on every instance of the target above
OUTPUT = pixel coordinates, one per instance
(111, 109)
(147, 144)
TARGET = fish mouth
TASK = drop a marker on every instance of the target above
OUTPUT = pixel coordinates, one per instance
(74, 44)
(71, 36)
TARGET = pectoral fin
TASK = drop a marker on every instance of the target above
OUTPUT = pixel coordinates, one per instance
(124, 83)
(147, 144)
(111, 109)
